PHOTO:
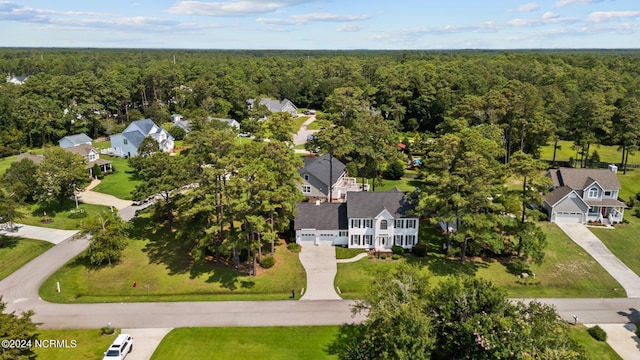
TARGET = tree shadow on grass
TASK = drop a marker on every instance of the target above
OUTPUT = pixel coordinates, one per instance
(350, 339)
(634, 317)
(8, 242)
(442, 266)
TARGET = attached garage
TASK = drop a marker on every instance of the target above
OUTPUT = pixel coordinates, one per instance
(565, 217)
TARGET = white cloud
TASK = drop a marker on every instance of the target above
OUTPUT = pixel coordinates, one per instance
(528, 7)
(563, 3)
(602, 16)
(233, 7)
(300, 19)
(349, 28)
(549, 15)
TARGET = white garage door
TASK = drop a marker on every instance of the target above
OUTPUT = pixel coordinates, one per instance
(306, 238)
(569, 217)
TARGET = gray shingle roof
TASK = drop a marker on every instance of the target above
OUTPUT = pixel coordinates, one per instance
(37, 159)
(319, 168)
(579, 179)
(365, 204)
(144, 125)
(135, 137)
(77, 139)
(556, 195)
(321, 217)
(82, 150)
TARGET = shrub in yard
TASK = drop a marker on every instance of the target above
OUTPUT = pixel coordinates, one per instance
(420, 250)
(97, 172)
(177, 132)
(383, 257)
(396, 257)
(597, 333)
(294, 247)
(107, 330)
(268, 262)
(394, 171)
(399, 250)
(77, 214)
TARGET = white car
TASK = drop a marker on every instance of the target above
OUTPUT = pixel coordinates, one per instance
(120, 348)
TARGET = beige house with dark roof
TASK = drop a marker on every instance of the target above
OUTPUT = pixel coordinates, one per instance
(92, 157)
(584, 195)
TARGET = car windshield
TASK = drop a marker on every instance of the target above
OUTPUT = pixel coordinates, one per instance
(113, 353)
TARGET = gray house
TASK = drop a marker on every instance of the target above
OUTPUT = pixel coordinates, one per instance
(369, 220)
(583, 195)
(74, 140)
(127, 142)
(315, 179)
(276, 105)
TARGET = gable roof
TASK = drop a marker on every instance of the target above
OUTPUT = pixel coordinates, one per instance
(144, 126)
(325, 216)
(77, 139)
(319, 168)
(366, 204)
(272, 104)
(134, 137)
(82, 150)
(556, 195)
(37, 159)
(580, 179)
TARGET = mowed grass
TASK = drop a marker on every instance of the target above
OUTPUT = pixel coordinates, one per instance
(120, 183)
(164, 271)
(630, 183)
(568, 271)
(346, 253)
(15, 252)
(299, 342)
(623, 241)
(407, 183)
(90, 344)
(298, 121)
(59, 217)
(595, 350)
(609, 154)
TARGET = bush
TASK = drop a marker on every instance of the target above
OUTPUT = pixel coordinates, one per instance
(597, 333)
(398, 250)
(267, 262)
(396, 257)
(294, 247)
(107, 330)
(420, 250)
(97, 172)
(383, 257)
(77, 214)
(177, 132)
(394, 171)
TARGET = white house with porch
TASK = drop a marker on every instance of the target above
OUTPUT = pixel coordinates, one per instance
(368, 220)
(584, 195)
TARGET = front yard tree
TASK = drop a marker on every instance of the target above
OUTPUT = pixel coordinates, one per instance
(107, 237)
(59, 174)
(9, 207)
(464, 184)
(17, 327)
(20, 179)
(148, 146)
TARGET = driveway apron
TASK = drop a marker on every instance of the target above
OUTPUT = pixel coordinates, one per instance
(320, 264)
(581, 235)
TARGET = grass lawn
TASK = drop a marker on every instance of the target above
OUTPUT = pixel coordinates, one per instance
(609, 154)
(105, 144)
(162, 267)
(300, 342)
(297, 122)
(314, 126)
(15, 252)
(345, 253)
(90, 344)
(568, 271)
(595, 350)
(120, 183)
(630, 184)
(59, 218)
(623, 241)
(406, 184)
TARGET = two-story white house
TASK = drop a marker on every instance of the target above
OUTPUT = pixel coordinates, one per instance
(583, 195)
(368, 220)
(126, 143)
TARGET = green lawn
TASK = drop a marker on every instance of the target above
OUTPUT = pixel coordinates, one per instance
(59, 217)
(105, 144)
(406, 184)
(623, 241)
(297, 122)
(568, 271)
(164, 271)
(346, 253)
(15, 252)
(89, 344)
(314, 126)
(120, 183)
(630, 184)
(609, 154)
(595, 350)
(300, 342)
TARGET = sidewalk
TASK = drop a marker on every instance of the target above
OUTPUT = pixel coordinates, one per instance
(581, 235)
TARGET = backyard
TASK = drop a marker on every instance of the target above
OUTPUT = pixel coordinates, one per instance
(121, 183)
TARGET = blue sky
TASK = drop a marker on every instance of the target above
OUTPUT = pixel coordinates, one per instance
(321, 24)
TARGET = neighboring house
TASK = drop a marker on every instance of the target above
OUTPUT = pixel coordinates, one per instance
(315, 179)
(92, 157)
(583, 195)
(18, 80)
(369, 220)
(37, 159)
(276, 105)
(74, 140)
(127, 142)
(231, 122)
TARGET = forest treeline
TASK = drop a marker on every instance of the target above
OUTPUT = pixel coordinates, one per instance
(589, 97)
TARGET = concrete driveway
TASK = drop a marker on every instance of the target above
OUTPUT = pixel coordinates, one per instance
(145, 342)
(581, 235)
(300, 137)
(320, 264)
(96, 198)
(54, 236)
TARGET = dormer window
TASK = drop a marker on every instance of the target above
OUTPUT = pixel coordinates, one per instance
(593, 192)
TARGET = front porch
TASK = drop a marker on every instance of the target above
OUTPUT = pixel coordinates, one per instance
(605, 214)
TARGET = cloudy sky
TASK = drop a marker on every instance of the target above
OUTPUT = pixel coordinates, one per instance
(321, 24)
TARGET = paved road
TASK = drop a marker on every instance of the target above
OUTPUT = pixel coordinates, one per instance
(581, 235)
(320, 264)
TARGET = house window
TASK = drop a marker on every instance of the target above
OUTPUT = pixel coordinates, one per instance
(411, 223)
(125, 141)
(608, 193)
(306, 189)
(398, 240)
(368, 223)
(306, 177)
(367, 239)
(355, 239)
(593, 192)
(343, 233)
(383, 240)
(355, 223)
(92, 157)
(410, 239)
(383, 225)
(594, 210)
(399, 223)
